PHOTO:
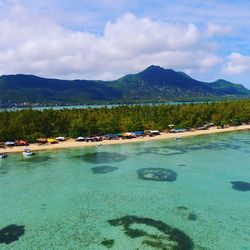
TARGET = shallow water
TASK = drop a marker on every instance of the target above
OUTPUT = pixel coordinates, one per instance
(58, 201)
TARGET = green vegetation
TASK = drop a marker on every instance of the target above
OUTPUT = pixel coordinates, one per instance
(30, 124)
(150, 85)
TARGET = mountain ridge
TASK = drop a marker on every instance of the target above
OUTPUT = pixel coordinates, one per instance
(152, 84)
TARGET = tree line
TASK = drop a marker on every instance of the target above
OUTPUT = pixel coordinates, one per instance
(31, 124)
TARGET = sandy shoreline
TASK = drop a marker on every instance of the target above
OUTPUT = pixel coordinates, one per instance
(72, 143)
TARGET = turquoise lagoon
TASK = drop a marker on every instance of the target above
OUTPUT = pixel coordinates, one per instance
(93, 198)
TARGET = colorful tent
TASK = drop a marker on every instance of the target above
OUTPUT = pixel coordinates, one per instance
(52, 141)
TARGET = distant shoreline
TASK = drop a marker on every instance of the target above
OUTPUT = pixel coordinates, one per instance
(100, 105)
(71, 143)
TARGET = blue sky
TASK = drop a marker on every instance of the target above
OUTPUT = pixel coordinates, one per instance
(105, 39)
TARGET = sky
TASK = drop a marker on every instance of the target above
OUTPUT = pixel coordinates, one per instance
(107, 39)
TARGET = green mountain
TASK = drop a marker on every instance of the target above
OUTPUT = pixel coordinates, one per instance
(229, 88)
(158, 83)
(33, 89)
(152, 84)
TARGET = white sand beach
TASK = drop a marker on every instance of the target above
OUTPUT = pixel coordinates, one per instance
(71, 143)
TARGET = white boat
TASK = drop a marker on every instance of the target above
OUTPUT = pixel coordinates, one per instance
(27, 152)
(2, 155)
(178, 138)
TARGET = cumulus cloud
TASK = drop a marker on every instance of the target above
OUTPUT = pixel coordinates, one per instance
(238, 64)
(40, 46)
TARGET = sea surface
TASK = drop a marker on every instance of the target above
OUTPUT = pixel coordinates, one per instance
(191, 193)
(95, 106)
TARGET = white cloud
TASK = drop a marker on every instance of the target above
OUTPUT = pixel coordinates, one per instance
(216, 29)
(238, 64)
(40, 46)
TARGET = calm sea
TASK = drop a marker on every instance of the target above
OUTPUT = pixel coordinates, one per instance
(187, 194)
(93, 106)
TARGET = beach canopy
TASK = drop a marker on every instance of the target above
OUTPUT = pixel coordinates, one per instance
(118, 134)
(138, 133)
(41, 140)
(60, 138)
(180, 130)
(154, 131)
(9, 143)
(21, 142)
(80, 138)
(110, 135)
(52, 140)
(128, 135)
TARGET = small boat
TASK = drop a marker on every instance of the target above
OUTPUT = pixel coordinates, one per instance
(2, 155)
(178, 138)
(27, 152)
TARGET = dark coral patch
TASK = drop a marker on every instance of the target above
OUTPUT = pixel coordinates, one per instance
(11, 233)
(103, 157)
(181, 165)
(157, 174)
(108, 243)
(182, 208)
(103, 169)
(241, 185)
(43, 206)
(155, 244)
(192, 216)
(168, 238)
(179, 149)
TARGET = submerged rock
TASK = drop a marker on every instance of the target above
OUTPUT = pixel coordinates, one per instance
(241, 185)
(11, 233)
(157, 174)
(162, 237)
(103, 169)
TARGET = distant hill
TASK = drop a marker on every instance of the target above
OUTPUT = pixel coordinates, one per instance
(33, 89)
(152, 84)
(156, 82)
